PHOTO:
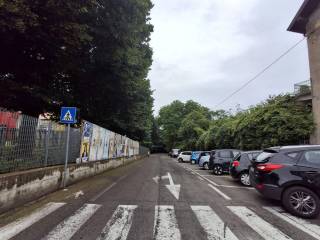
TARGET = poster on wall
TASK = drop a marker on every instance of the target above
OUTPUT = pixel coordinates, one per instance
(85, 141)
(112, 149)
(106, 140)
(96, 147)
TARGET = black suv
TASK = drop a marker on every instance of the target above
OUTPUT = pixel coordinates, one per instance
(220, 160)
(290, 174)
(239, 168)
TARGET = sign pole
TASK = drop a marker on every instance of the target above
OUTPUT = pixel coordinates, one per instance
(67, 157)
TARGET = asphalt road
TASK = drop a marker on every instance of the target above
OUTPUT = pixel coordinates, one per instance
(156, 198)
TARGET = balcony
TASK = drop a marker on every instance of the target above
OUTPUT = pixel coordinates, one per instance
(302, 91)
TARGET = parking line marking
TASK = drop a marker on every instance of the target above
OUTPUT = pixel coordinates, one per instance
(215, 184)
(212, 224)
(219, 192)
(165, 224)
(14, 228)
(200, 178)
(119, 225)
(67, 228)
(262, 227)
(307, 227)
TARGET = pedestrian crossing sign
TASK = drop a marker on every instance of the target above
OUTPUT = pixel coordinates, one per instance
(68, 115)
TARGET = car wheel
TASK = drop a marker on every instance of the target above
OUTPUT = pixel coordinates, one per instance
(301, 201)
(217, 170)
(206, 166)
(180, 160)
(245, 179)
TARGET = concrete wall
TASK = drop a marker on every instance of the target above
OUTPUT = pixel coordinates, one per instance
(22, 187)
(313, 33)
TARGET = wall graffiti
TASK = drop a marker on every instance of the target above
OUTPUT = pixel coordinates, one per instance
(98, 143)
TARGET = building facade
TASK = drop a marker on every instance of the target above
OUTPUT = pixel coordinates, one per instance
(307, 22)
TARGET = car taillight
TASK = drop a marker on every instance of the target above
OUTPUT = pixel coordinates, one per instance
(268, 167)
(235, 163)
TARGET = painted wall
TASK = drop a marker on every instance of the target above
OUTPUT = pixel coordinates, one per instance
(19, 188)
(98, 143)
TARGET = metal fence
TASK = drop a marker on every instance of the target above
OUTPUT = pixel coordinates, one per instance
(302, 88)
(27, 142)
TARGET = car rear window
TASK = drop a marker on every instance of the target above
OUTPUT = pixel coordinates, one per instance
(237, 157)
(225, 154)
(264, 156)
(313, 157)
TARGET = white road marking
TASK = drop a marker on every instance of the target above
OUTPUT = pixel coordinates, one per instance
(165, 224)
(262, 227)
(78, 194)
(119, 225)
(67, 228)
(219, 192)
(305, 226)
(212, 224)
(21, 224)
(200, 178)
(215, 184)
(107, 189)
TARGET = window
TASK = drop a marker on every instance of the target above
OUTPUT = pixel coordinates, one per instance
(207, 154)
(292, 155)
(313, 157)
(225, 154)
(187, 153)
(253, 155)
(235, 153)
(264, 156)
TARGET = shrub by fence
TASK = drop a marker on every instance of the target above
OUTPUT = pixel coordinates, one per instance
(27, 142)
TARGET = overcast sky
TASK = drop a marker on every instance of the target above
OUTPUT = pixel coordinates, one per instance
(206, 49)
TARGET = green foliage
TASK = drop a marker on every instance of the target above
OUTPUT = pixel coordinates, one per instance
(92, 54)
(182, 123)
(192, 127)
(275, 122)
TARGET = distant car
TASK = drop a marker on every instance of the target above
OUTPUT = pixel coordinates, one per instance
(240, 165)
(175, 152)
(290, 174)
(220, 161)
(204, 160)
(202, 154)
(184, 156)
(194, 156)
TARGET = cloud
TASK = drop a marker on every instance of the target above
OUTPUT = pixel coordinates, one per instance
(206, 49)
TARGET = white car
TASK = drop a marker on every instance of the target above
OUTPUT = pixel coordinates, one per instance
(184, 156)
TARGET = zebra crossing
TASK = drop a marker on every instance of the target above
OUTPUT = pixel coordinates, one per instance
(166, 224)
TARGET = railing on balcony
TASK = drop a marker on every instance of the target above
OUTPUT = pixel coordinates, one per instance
(302, 88)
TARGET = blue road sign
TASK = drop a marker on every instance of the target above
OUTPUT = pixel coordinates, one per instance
(68, 115)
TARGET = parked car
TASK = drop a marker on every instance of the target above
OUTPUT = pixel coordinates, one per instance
(184, 156)
(290, 174)
(175, 152)
(194, 156)
(220, 160)
(202, 154)
(204, 160)
(240, 165)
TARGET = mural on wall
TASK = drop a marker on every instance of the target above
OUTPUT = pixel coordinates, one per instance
(101, 144)
(85, 141)
(112, 148)
(106, 141)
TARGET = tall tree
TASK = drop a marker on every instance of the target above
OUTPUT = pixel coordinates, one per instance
(92, 54)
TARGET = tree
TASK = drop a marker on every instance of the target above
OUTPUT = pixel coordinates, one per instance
(94, 55)
(171, 119)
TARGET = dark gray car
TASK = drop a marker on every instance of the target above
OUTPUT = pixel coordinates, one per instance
(220, 160)
(239, 168)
